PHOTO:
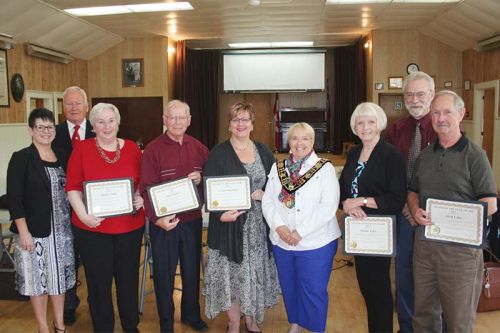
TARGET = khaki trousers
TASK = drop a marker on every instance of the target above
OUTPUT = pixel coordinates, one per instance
(447, 283)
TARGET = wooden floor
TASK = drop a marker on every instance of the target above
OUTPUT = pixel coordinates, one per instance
(346, 311)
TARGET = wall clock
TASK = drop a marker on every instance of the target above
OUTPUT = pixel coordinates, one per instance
(412, 68)
(17, 87)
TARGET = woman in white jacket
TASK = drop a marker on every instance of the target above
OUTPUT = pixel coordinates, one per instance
(299, 204)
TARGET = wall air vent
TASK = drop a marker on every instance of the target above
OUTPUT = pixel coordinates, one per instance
(488, 43)
(48, 54)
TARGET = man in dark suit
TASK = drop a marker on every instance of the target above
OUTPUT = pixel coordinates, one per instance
(75, 128)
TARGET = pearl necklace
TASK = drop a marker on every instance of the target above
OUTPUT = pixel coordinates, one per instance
(103, 154)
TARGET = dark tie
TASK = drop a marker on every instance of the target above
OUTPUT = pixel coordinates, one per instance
(414, 151)
(76, 135)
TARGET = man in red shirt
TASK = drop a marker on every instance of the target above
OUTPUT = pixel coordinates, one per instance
(410, 135)
(175, 238)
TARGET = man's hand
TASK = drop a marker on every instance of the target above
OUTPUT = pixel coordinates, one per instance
(422, 217)
(407, 215)
(168, 222)
(195, 176)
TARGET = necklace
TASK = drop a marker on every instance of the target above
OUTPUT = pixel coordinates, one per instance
(105, 157)
(240, 148)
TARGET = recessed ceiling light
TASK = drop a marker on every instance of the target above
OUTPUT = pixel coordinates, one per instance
(139, 8)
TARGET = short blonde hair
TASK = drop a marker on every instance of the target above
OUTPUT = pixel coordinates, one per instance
(301, 126)
(233, 111)
(99, 108)
(369, 109)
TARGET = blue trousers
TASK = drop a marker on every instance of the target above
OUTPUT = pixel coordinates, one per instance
(304, 279)
(405, 297)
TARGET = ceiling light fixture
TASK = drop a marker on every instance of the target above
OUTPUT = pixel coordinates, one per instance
(127, 9)
(271, 44)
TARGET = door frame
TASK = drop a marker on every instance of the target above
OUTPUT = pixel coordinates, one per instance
(50, 101)
(478, 114)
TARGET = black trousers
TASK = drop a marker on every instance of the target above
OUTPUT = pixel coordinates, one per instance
(181, 244)
(71, 300)
(108, 256)
(373, 274)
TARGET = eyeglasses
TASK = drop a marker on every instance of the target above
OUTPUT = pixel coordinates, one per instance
(240, 120)
(418, 94)
(179, 118)
(41, 128)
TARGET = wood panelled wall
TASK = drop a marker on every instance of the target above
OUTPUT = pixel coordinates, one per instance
(42, 75)
(479, 67)
(105, 70)
(393, 50)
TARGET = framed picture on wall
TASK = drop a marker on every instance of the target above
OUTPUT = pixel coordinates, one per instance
(4, 80)
(395, 82)
(133, 72)
(379, 86)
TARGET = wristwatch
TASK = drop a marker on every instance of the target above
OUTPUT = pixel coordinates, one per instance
(365, 201)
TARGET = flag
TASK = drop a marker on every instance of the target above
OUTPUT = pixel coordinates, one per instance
(277, 134)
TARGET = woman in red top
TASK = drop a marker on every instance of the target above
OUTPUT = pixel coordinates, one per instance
(109, 247)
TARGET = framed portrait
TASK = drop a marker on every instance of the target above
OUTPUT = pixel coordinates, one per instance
(398, 106)
(133, 72)
(4, 80)
(395, 82)
(379, 86)
(448, 84)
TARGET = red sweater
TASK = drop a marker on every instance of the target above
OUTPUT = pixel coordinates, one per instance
(86, 164)
(164, 160)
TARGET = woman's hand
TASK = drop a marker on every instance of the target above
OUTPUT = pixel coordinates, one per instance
(284, 233)
(168, 222)
(138, 201)
(349, 204)
(230, 216)
(26, 241)
(257, 195)
(294, 238)
(91, 221)
(422, 217)
(356, 212)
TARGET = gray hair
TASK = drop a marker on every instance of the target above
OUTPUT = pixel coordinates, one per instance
(301, 126)
(99, 108)
(78, 90)
(369, 109)
(457, 100)
(178, 103)
(419, 76)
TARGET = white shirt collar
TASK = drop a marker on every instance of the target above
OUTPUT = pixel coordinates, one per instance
(83, 125)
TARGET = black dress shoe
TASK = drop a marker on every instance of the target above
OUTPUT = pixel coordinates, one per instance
(69, 317)
(197, 325)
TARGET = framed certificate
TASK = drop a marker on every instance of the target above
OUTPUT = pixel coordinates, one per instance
(223, 193)
(174, 197)
(110, 197)
(374, 235)
(459, 222)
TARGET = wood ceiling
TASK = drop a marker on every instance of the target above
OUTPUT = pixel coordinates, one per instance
(215, 23)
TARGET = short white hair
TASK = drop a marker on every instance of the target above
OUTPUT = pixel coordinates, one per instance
(99, 108)
(178, 103)
(457, 100)
(301, 126)
(372, 110)
(419, 76)
(78, 90)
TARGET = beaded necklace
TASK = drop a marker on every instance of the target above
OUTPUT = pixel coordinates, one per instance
(103, 154)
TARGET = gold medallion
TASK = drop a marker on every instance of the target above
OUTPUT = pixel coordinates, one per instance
(435, 230)
(215, 203)
(163, 210)
(353, 244)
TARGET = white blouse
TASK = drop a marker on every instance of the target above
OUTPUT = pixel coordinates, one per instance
(314, 213)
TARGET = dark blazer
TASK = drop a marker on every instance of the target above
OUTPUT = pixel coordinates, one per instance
(28, 191)
(62, 143)
(222, 161)
(384, 178)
